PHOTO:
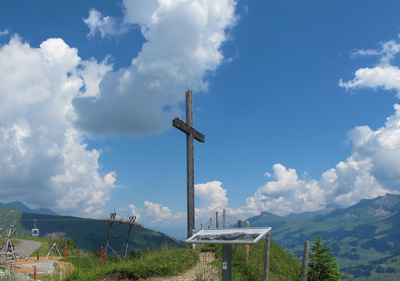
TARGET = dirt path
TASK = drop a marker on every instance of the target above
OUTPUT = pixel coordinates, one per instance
(27, 247)
(43, 266)
(201, 271)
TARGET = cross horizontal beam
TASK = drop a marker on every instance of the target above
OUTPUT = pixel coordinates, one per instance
(179, 124)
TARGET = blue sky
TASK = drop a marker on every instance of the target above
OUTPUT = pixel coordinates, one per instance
(297, 100)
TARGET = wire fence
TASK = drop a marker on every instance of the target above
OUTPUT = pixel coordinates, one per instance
(220, 222)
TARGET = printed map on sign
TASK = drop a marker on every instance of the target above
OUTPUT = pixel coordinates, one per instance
(229, 236)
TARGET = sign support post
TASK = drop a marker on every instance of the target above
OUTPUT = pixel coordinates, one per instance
(226, 262)
(227, 237)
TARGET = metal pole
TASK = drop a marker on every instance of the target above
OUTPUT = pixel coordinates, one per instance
(226, 262)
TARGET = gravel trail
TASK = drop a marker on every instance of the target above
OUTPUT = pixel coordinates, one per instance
(27, 247)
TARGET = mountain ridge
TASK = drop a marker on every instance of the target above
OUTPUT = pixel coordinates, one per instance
(17, 205)
(88, 234)
(365, 237)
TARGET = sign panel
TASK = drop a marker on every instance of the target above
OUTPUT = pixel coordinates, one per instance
(229, 236)
(224, 265)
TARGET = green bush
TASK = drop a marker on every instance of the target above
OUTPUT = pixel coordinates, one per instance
(71, 244)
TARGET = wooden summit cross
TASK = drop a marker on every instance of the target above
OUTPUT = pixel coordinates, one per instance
(191, 134)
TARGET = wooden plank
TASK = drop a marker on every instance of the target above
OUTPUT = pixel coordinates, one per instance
(182, 126)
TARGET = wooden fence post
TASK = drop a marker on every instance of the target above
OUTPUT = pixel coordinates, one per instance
(102, 256)
(202, 227)
(304, 266)
(247, 245)
(266, 261)
(224, 218)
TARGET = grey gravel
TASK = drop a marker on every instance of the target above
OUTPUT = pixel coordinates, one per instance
(27, 247)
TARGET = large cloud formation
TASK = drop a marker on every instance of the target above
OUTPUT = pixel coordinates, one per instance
(51, 99)
(43, 159)
(183, 44)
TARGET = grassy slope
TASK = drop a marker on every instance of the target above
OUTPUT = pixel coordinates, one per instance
(170, 262)
(283, 266)
(167, 262)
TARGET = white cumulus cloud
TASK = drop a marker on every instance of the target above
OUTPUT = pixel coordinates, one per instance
(183, 45)
(162, 214)
(51, 100)
(135, 211)
(384, 75)
(105, 25)
(44, 159)
(285, 194)
(212, 198)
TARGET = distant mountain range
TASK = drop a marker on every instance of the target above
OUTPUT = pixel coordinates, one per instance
(23, 208)
(328, 209)
(88, 234)
(365, 237)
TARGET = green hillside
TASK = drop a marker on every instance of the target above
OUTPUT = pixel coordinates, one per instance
(171, 262)
(88, 234)
(364, 237)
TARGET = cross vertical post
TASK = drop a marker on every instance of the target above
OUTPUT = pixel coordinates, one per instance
(190, 165)
(191, 134)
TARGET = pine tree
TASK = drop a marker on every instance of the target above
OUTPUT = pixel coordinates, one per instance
(322, 265)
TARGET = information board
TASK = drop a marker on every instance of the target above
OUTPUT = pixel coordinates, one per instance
(229, 236)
